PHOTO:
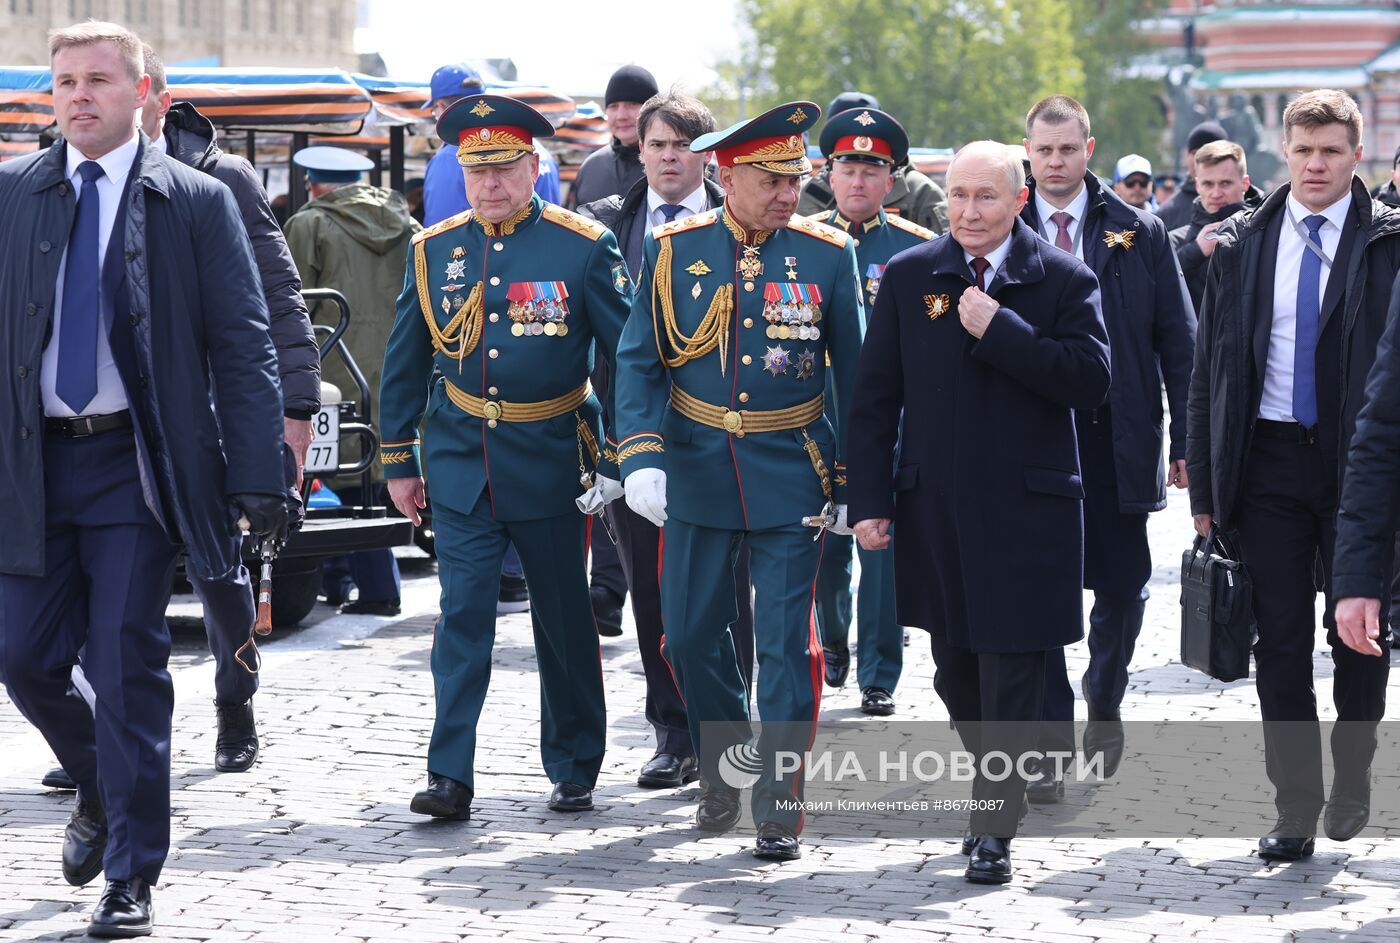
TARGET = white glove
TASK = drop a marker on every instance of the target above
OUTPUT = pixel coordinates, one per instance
(605, 490)
(645, 490)
(841, 526)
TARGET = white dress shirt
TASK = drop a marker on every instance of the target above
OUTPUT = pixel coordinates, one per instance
(995, 258)
(1277, 401)
(696, 202)
(1077, 209)
(111, 394)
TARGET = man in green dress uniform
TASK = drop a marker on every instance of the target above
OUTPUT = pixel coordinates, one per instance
(506, 301)
(721, 382)
(863, 146)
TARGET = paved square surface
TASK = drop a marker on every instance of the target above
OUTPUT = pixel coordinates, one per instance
(316, 842)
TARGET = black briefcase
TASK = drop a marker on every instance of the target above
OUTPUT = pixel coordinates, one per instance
(1217, 609)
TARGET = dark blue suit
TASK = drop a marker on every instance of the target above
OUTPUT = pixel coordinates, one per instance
(103, 514)
(987, 498)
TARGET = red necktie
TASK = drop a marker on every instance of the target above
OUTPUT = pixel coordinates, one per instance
(1062, 241)
(980, 266)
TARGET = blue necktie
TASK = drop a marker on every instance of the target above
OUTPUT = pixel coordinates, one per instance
(76, 382)
(1305, 336)
(669, 210)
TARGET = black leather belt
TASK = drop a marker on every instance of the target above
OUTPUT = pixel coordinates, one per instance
(1287, 431)
(77, 427)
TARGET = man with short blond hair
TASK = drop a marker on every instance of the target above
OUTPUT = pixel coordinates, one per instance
(1294, 307)
(141, 357)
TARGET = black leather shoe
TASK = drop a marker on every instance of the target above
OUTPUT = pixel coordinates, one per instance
(776, 842)
(371, 607)
(838, 665)
(236, 746)
(877, 702)
(445, 798)
(514, 595)
(1046, 789)
(123, 911)
(1292, 838)
(989, 861)
(718, 810)
(1348, 808)
(84, 841)
(607, 611)
(1103, 734)
(571, 797)
(969, 841)
(58, 778)
(668, 771)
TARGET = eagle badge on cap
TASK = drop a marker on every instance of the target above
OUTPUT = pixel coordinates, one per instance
(481, 109)
(864, 119)
(798, 116)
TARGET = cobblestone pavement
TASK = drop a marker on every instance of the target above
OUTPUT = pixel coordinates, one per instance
(316, 842)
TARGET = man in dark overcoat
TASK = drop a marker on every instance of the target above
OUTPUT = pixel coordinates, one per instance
(986, 341)
(141, 412)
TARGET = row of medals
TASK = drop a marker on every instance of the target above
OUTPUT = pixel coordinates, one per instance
(526, 324)
(788, 321)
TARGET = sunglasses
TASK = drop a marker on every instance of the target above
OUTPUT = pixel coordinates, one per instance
(1137, 182)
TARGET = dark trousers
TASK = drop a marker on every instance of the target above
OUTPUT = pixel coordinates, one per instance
(879, 636)
(1287, 521)
(696, 577)
(639, 549)
(994, 699)
(228, 618)
(573, 722)
(108, 570)
(1117, 567)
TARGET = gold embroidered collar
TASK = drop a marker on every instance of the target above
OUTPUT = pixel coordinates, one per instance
(507, 226)
(740, 234)
(838, 220)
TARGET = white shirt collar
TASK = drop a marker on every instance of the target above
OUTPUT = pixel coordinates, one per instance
(1077, 207)
(116, 163)
(996, 257)
(1336, 213)
(695, 202)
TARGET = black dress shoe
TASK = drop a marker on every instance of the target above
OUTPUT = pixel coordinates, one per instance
(877, 702)
(571, 797)
(838, 665)
(1348, 808)
(776, 842)
(1103, 734)
(514, 595)
(718, 810)
(445, 798)
(969, 841)
(58, 778)
(123, 911)
(607, 611)
(1047, 788)
(372, 607)
(84, 841)
(989, 861)
(668, 771)
(1292, 838)
(236, 746)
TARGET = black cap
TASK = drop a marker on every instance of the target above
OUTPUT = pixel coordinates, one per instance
(1205, 133)
(631, 83)
(848, 100)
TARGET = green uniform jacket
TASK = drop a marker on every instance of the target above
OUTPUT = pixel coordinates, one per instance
(354, 239)
(914, 197)
(878, 240)
(547, 269)
(717, 478)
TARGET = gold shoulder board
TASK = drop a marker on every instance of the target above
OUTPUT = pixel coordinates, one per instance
(707, 218)
(822, 231)
(582, 225)
(451, 222)
(899, 222)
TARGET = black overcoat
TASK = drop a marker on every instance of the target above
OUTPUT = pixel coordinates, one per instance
(987, 498)
(189, 294)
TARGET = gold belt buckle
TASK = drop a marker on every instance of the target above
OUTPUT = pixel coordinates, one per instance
(491, 409)
(734, 422)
